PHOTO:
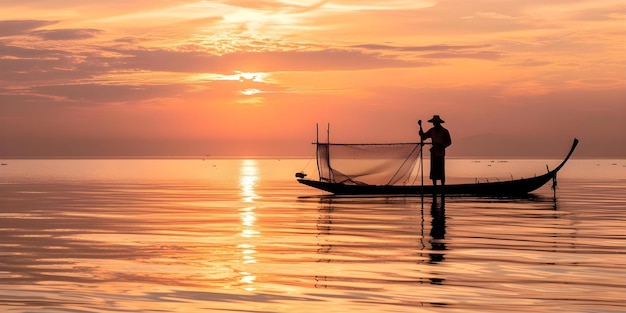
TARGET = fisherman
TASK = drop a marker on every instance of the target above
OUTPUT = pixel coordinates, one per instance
(440, 138)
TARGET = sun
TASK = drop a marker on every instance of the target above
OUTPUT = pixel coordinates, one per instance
(250, 91)
(251, 81)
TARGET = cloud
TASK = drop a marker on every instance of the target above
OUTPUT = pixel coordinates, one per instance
(44, 66)
(19, 104)
(616, 12)
(66, 34)
(95, 93)
(20, 27)
(531, 63)
(481, 55)
(64, 65)
(441, 51)
(328, 59)
(28, 53)
(200, 62)
(418, 48)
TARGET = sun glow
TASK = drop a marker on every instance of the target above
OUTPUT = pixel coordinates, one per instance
(248, 79)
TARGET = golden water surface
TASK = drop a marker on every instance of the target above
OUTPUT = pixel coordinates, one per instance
(242, 236)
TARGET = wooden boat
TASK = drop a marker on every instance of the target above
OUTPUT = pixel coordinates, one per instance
(508, 188)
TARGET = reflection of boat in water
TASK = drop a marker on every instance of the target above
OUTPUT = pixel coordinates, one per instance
(342, 172)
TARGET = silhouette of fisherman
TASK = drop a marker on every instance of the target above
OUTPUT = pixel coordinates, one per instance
(440, 138)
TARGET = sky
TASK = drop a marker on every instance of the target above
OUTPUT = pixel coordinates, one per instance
(81, 78)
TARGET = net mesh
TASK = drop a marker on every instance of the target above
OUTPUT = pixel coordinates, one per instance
(372, 164)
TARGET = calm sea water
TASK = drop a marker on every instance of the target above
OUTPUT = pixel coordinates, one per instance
(236, 235)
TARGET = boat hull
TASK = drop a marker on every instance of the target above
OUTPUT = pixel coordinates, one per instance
(503, 188)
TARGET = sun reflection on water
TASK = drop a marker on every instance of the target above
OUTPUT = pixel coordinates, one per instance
(249, 175)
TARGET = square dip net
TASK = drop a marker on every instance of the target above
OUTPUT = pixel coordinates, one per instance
(371, 164)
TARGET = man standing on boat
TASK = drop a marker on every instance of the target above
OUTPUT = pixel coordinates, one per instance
(440, 138)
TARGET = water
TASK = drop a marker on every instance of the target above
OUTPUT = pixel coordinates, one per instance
(237, 235)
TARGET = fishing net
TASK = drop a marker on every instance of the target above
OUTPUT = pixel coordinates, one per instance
(372, 164)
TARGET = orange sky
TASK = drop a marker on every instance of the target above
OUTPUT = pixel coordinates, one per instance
(253, 77)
